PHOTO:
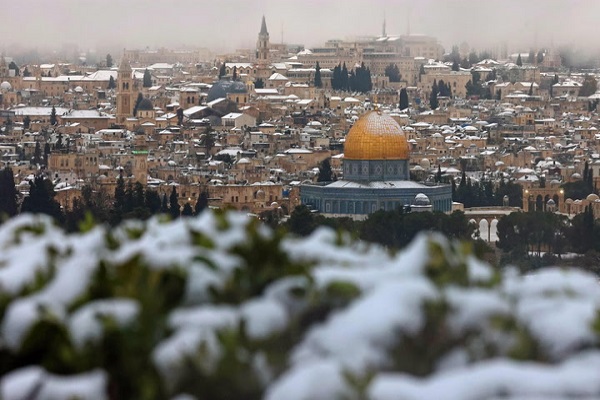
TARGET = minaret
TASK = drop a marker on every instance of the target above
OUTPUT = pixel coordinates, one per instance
(124, 92)
(383, 33)
(262, 46)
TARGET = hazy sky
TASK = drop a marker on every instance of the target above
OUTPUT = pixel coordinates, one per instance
(231, 24)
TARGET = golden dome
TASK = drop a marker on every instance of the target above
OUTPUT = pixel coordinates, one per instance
(376, 136)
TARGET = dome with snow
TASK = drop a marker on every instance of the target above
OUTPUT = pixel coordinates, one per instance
(145, 105)
(5, 86)
(421, 200)
(223, 87)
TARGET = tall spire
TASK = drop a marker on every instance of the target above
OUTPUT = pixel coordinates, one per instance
(383, 34)
(263, 27)
(125, 67)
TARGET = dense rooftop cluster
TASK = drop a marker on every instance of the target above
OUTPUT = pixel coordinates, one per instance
(249, 128)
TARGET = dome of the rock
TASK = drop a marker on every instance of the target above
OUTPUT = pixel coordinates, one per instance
(376, 136)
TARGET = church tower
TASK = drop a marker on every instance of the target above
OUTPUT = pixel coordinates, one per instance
(125, 92)
(262, 46)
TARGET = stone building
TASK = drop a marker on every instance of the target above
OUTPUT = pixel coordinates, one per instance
(376, 174)
(126, 92)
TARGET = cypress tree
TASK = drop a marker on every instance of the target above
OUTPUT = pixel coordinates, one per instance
(46, 152)
(164, 206)
(139, 195)
(403, 99)
(41, 199)
(152, 202)
(465, 63)
(147, 81)
(202, 202)
(120, 200)
(336, 79)
(37, 154)
(59, 142)
(174, 209)
(13, 66)
(393, 73)
(433, 97)
(222, 71)
(438, 176)
(53, 119)
(318, 82)
(345, 78)
(187, 210)
(351, 81)
(368, 81)
(519, 61)
(139, 99)
(325, 173)
(8, 194)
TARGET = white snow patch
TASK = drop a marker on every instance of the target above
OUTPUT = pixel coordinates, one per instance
(318, 380)
(85, 325)
(263, 317)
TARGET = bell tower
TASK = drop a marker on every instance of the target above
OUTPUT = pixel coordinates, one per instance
(262, 46)
(125, 91)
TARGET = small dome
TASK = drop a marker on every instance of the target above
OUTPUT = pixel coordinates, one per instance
(5, 86)
(78, 89)
(376, 136)
(425, 163)
(576, 176)
(569, 201)
(550, 202)
(145, 105)
(421, 200)
(592, 197)
(224, 87)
